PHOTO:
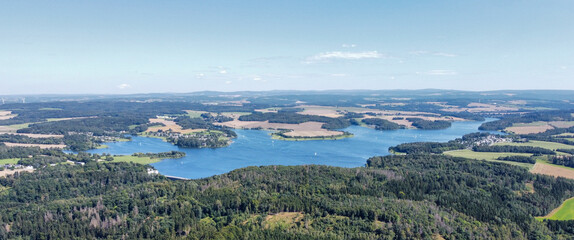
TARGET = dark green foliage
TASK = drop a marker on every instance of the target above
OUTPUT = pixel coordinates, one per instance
(569, 151)
(100, 126)
(192, 123)
(170, 154)
(294, 118)
(429, 125)
(567, 161)
(382, 124)
(522, 159)
(25, 139)
(426, 147)
(208, 139)
(395, 197)
(515, 149)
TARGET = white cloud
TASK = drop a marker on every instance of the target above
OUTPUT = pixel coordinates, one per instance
(124, 86)
(442, 54)
(223, 71)
(439, 72)
(228, 82)
(349, 45)
(439, 54)
(339, 75)
(344, 56)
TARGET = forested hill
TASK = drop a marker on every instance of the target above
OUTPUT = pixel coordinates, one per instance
(394, 197)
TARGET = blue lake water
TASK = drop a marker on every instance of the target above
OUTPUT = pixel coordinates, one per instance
(256, 148)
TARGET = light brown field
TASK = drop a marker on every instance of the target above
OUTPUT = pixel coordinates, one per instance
(480, 107)
(529, 129)
(546, 169)
(43, 146)
(307, 129)
(6, 129)
(34, 135)
(7, 172)
(561, 124)
(409, 124)
(321, 111)
(169, 125)
(6, 115)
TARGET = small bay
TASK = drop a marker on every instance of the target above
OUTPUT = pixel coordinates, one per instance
(256, 148)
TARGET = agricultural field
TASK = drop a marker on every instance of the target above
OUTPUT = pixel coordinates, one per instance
(528, 128)
(542, 144)
(479, 107)
(194, 114)
(564, 212)
(43, 146)
(562, 124)
(140, 160)
(4, 115)
(489, 156)
(307, 129)
(169, 125)
(552, 170)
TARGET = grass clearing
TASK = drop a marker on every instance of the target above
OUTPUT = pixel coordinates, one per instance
(283, 220)
(489, 156)
(140, 160)
(563, 212)
(542, 144)
(194, 114)
(9, 161)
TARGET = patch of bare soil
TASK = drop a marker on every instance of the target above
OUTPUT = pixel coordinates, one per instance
(7, 172)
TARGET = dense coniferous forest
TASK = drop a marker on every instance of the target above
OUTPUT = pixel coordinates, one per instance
(429, 125)
(426, 147)
(394, 197)
(381, 124)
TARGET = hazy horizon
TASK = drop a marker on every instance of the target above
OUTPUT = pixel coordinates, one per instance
(139, 47)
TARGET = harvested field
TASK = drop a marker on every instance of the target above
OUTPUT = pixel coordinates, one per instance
(6, 129)
(550, 170)
(6, 115)
(43, 146)
(409, 124)
(7, 172)
(308, 129)
(528, 128)
(169, 125)
(480, 107)
(34, 135)
(561, 124)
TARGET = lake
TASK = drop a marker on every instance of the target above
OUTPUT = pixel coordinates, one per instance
(256, 148)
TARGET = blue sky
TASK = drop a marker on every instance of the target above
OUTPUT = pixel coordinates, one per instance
(185, 46)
